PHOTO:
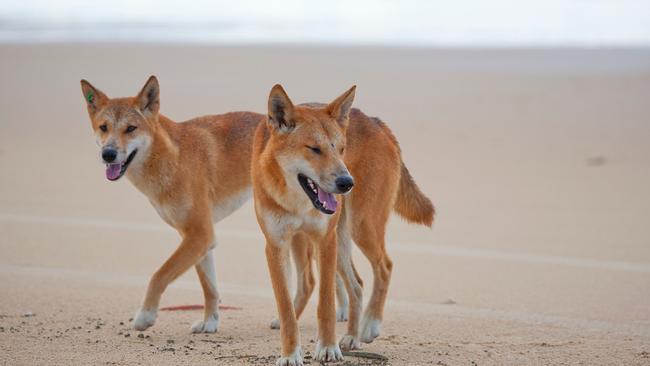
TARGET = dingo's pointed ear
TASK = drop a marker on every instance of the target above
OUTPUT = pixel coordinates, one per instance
(149, 97)
(280, 110)
(340, 107)
(94, 97)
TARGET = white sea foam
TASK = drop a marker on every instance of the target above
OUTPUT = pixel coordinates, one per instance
(410, 22)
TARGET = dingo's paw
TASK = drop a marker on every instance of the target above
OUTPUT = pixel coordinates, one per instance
(209, 325)
(370, 329)
(331, 353)
(275, 324)
(349, 343)
(144, 319)
(294, 359)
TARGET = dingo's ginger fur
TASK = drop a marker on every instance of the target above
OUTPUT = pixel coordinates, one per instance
(302, 156)
(194, 173)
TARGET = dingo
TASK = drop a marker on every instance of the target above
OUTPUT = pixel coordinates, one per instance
(194, 174)
(303, 156)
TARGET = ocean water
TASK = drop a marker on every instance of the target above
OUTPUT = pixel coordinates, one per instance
(500, 23)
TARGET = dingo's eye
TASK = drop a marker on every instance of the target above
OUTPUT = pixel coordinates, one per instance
(315, 149)
(103, 127)
(130, 129)
(342, 150)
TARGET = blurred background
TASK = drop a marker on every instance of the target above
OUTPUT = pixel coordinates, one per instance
(526, 122)
(501, 23)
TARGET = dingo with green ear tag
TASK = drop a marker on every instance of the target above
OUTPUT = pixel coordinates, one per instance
(194, 173)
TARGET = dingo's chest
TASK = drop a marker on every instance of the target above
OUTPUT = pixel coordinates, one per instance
(281, 228)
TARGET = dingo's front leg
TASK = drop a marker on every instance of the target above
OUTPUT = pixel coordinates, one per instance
(327, 349)
(195, 244)
(208, 278)
(278, 260)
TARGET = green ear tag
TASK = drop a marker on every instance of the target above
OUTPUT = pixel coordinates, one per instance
(90, 97)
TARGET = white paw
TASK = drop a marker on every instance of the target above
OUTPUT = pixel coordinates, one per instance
(210, 325)
(349, 343)
(369, 329)
(342, 314)
(294, 359)
(144, 319)
(275, 324)
(330, 353)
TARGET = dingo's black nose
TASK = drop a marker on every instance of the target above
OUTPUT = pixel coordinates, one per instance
(109, 155)
(344, 183)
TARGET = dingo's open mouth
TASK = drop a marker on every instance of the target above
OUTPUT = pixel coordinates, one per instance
(323, 201)
(116, 171)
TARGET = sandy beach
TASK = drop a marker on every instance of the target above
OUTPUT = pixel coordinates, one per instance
(538, 162)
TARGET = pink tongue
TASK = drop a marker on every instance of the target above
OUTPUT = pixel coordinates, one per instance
(327, 198)
(113, 171)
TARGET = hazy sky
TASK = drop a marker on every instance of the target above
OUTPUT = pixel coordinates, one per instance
(418, 22)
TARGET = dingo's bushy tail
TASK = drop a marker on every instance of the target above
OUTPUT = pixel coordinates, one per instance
(411, 203)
